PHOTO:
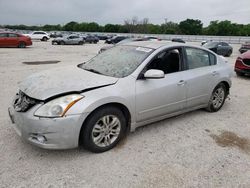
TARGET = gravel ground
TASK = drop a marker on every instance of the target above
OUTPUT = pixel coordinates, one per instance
(197, 149)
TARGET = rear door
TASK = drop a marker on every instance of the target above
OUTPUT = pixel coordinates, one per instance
(201, 76)
(13, 39)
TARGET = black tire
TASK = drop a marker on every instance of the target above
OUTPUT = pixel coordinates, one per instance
(62, 43)
(229, 53)
(44, 39)
(80, 43)
(21, 45)
(96, 119)
(239, 74)
(212, 107)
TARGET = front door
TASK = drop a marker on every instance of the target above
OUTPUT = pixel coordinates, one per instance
(158, 97)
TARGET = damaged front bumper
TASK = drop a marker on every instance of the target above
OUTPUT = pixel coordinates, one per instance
(48, 133)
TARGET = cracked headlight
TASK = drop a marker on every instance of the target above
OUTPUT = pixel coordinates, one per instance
(58, 107)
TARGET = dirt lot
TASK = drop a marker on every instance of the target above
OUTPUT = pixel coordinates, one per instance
(197, 149)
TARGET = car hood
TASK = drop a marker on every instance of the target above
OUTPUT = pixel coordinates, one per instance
(245, 55)
(58, 81)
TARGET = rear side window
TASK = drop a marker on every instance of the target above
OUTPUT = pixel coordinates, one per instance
(197, 58)
(2, 35)
(13, 35)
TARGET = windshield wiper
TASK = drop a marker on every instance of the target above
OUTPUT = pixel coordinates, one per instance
(93, 70)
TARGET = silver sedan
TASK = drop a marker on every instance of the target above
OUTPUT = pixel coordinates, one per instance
(71, 39)
(96, 103)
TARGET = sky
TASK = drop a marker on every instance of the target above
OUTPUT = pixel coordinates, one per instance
(40, 12)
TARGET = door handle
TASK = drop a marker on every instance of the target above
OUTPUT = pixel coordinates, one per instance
(214, 73)
(181, 82)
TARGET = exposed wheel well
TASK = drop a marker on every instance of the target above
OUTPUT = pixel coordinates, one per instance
(227, 86)
(120, 106)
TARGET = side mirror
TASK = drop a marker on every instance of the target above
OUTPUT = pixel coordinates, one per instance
(154, 74)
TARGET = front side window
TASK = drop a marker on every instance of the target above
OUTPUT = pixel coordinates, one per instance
(197, 58)
(119, 61)
(38, 33)
(169, 61)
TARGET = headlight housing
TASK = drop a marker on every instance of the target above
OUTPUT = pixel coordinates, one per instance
(58, 107)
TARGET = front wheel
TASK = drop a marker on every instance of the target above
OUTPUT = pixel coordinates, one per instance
(229, 53)
(217, 98)
(103, 129)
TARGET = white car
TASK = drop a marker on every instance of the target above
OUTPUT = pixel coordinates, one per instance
(39, 35)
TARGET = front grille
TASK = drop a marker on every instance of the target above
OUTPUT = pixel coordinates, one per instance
(246, 62)
(22, 102)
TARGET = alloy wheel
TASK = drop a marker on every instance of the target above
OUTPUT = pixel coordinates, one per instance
(106, 130)
(218, 97)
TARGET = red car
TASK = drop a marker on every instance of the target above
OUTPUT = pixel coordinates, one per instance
(242, 64)
(8, 39)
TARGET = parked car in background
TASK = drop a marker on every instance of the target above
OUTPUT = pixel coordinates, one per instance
(70, 39)
(242, 64)
(151, 38)
(94, 104)
(115, 39)
(245, 47)
(38, 35)
(104, 48)
(178, 40)
(56, 35)
(102, 37)
(10, 39)
(205, 41)
(91, 39)
(221, 48)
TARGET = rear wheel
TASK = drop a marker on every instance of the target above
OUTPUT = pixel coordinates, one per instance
(44, 39)
(217, 98)
(103, 129)
(80, 43)
(61, 43)
(21, 45)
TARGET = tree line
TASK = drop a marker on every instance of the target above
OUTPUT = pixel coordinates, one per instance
(134, 25)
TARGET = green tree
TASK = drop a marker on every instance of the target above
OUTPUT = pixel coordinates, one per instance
(191, 27)
(70, 26)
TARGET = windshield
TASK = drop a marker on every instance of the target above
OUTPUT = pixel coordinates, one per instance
(118, 62)
(210, 44)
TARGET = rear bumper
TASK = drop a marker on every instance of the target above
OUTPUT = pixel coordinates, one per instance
(48, 133)
(245, 71)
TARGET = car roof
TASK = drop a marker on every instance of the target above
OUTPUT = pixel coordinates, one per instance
(154, 44)
(9, 32)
